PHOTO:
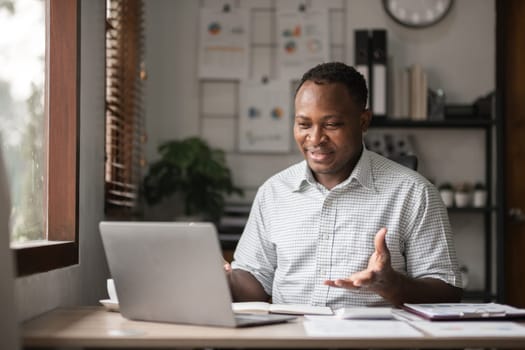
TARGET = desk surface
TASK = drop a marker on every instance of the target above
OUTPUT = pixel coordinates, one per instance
(95, 327)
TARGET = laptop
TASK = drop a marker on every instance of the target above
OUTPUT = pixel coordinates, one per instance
(172, 272)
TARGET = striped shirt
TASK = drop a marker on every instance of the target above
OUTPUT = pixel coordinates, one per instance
(299, 233)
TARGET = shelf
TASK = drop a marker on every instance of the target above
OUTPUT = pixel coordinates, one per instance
(472, 210)
(430, 124)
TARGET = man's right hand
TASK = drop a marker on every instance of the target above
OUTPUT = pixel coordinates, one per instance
(227, 266)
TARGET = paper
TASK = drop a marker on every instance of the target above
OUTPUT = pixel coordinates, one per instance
(365, 313)
(265, 123)
(473, 329)
(224, 43)
(302, 40)
(333, 328)
(289, 309)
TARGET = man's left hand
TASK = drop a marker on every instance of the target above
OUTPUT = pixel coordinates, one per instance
(379, 273)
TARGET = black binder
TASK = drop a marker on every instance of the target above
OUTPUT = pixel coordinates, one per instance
(362, 58)
(379, 73)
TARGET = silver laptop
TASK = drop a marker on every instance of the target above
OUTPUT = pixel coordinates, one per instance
(172, 272)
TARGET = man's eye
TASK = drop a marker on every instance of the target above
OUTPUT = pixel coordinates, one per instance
(333, 125)
(303, 125)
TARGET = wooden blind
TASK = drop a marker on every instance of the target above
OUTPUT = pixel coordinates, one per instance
(124, 113)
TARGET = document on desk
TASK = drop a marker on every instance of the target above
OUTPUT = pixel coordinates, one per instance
(474, 329)
(260, 307)
(331, 327)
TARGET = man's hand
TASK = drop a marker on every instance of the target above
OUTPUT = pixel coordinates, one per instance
(378, 276)
(395, 287)
(227, 266)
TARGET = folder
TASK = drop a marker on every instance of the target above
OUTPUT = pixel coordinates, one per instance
(464, 311)
(362, 58)
(379, 73)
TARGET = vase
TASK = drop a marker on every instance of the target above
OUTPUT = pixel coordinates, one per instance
(448, 197)
(462, 199)
(480, 198)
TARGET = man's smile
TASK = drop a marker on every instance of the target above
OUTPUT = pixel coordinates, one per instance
(319, 154)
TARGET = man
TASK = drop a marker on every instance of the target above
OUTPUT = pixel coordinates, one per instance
(345, 227)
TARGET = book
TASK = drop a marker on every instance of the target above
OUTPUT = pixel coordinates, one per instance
(459, 311)
(365, 313)
(261, 307)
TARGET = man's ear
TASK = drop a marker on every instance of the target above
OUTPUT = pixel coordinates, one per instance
(364, 120)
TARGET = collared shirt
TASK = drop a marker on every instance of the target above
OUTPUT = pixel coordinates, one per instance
(299, 233)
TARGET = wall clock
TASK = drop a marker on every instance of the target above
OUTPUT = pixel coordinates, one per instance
(417, 13)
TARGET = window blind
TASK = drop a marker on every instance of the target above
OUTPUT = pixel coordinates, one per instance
(125, 73)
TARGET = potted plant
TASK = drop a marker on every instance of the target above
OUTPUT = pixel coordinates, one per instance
(447, 194)
(480, 195)
(462, 196)
(197, 172)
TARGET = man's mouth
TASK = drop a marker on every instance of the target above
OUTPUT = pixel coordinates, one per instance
(319, 155)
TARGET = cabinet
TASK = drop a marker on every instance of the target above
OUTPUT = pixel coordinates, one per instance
(490, 215)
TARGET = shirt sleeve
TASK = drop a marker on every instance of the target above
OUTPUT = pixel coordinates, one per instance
(255, 252)
(429, 245)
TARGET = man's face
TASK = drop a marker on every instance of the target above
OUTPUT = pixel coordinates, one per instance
(328, 130)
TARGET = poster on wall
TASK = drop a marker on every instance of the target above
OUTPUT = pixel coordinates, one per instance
(302, 41)
(264, 116)
(224, 43)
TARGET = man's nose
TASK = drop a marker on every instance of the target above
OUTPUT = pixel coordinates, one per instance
(316, 135)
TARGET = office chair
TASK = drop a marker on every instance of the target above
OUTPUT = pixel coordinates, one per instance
(410, 161)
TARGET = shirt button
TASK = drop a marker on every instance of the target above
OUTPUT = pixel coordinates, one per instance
(326, 236)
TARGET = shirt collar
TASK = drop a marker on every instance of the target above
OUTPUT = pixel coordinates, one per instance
(362, 173)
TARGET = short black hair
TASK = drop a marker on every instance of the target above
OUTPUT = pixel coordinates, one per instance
(337, 72)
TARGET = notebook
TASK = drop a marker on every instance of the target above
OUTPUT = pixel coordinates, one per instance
(172, 272)
(462, 311)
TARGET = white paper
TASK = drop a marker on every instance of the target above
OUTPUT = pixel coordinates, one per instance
(332, 328)
(365, 313)
(302, 41)
(264, 116)
(289, 309)
(473, 329)
(224, 43)
(299, 309)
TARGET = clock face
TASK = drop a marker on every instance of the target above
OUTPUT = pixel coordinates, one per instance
(417, 13)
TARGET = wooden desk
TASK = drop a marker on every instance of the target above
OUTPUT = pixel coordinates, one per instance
(96, 328)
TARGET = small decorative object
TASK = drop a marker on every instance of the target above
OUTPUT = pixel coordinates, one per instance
(480, 195)
(462, 195)
(194, 170)
(436, 104)
(447, 194)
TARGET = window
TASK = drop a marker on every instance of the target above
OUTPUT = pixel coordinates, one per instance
(45, 205)
(22, 71)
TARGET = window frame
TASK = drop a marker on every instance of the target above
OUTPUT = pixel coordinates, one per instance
(62, 136)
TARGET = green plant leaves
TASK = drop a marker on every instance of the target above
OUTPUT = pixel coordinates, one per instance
(195, 170)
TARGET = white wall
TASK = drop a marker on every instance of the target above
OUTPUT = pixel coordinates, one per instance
(459, 54)
(83, 283)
